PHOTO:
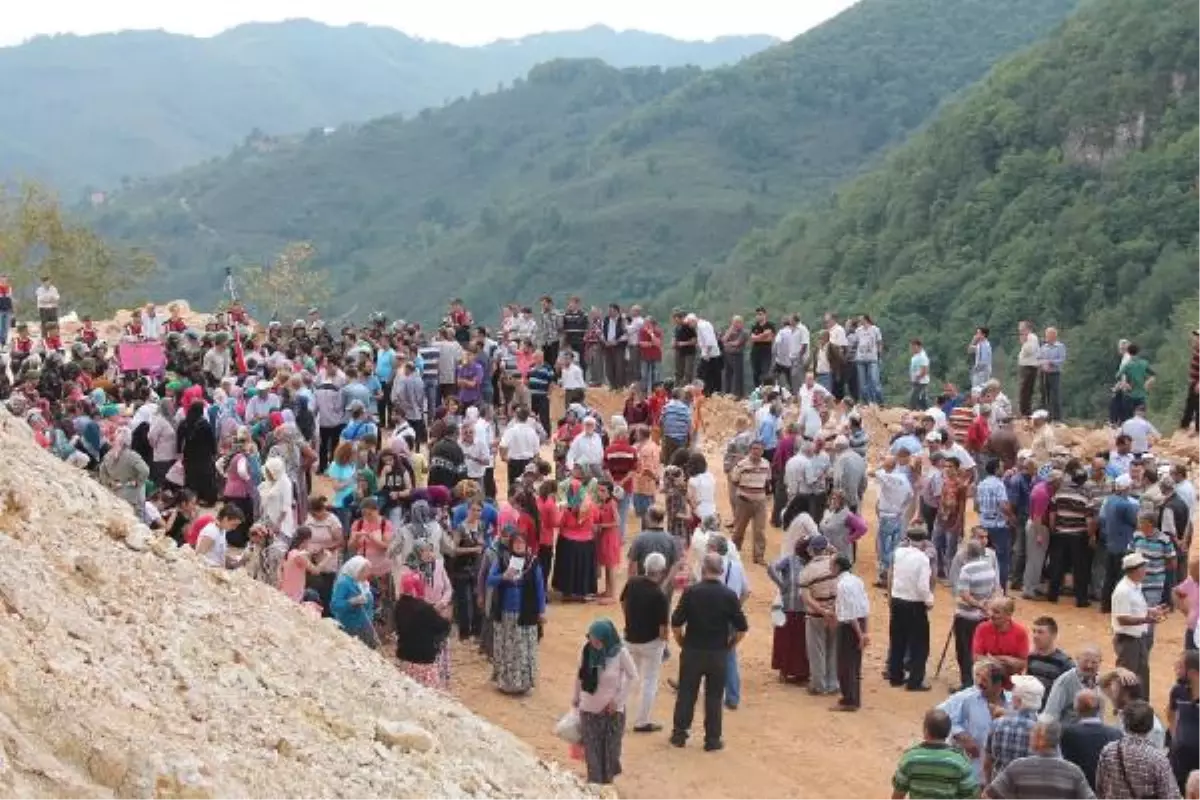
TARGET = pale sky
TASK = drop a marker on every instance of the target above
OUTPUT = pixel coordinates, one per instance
(466, 22)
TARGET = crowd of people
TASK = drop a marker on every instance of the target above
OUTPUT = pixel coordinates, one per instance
(356, 471)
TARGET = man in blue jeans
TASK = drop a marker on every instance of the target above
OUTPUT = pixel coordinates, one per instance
(892, 508)
(996, 515)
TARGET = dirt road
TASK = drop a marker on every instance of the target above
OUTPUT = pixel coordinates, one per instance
(781, 742)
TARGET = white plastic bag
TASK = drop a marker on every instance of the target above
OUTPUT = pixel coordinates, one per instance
(568, 729)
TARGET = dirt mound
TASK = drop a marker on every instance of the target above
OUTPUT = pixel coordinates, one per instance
(129, 669)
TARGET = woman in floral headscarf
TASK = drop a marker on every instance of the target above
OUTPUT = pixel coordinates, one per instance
(575, 555)
(518, 614)
(421, 633)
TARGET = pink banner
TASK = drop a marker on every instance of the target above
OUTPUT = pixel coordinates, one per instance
(142, 357)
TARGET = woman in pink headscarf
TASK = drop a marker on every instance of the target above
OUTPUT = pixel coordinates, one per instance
(421, 633)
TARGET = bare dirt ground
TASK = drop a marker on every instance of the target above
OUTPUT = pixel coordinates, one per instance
(781, 742)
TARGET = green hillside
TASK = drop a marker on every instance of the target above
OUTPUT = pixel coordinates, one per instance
(90, 110)
(620, 184)
(1061, 189)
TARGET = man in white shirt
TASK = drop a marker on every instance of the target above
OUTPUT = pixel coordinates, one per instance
(587, 449)
(781, 352)
(801, 342)
(809, 390)
(1132, 618)
(152, 327)
(1141, 432)
(911, 599)
(633, 353)
(1027, 363)
(837, 334)
(573, 383)
(892, 504)
(47, 302)
(519, 445)
(477, 452)
(708, 350)
(851, 608)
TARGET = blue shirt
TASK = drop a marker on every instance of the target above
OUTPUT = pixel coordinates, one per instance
(983, 354)
(1019, 485)
(768, 431)
(510, 600)
(677, 422)
(357, 391)
(385, 364)
(906, 441)
(990, 497)
(1118, 521)
(1054, 354)
(338, 473)
(969, 713)
(350, 617)
(540, 378)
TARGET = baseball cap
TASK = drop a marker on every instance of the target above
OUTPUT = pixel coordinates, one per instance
(1123, 482)
(1041, 413)
(818, 544)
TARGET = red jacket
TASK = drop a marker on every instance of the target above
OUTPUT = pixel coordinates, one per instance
(978, 434)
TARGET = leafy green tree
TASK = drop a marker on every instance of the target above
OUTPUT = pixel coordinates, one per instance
(38, 239)
(289, 284)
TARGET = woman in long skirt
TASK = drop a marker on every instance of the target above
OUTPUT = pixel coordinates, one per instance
(517, 613)
(421, 633)
(606, 674)
(789, 649)
(575, 574)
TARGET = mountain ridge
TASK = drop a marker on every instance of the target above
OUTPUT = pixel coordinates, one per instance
(543, 188)
(88, 112)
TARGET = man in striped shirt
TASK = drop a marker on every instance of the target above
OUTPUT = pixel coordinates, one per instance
(539, 378)
(976, 585)
(996, 515)
(430, 356)
(818, 590)
(933, 768)
(752, 482)
(676, 425)
(1072, 531)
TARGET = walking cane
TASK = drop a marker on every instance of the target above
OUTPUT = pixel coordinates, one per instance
(945, 648)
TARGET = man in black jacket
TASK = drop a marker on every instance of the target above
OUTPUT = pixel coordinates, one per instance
(714, 622)
(1082, 741)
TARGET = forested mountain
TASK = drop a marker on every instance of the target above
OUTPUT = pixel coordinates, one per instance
(581, 177)
(1061, 189)
(94, 109)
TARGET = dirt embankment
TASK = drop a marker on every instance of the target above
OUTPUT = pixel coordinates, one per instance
(131, 670)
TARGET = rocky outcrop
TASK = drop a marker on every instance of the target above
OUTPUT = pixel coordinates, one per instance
(129, 669)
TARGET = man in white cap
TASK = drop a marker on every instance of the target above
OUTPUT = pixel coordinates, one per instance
(264, 401)
(1132, 619)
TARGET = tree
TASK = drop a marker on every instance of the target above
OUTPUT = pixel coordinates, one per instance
(36, 239)
(289, 284)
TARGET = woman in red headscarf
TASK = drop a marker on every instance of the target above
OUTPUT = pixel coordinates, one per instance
(421, 632)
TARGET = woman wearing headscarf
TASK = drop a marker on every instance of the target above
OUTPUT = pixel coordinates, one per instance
(297, 457)
(198, 446)
(491, 555)
(517, 614)
(161, 436)
(606, 673)
(421, 633)
(575, 554)
(840, 525)
(428, 566)
(422, 526)
(276, 499)
(124, 472)
(241, 488)
(789, 649)
(352, 604)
